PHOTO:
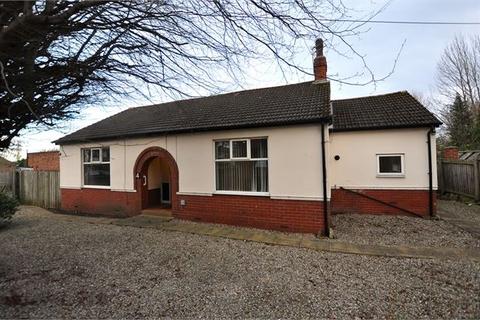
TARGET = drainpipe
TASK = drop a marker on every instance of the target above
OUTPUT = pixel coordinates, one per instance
(324, 183)
(430, 173)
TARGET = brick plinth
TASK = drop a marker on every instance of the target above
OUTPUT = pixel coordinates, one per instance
(249, 211)
(416, 201)
(258, 212)
(102, 202)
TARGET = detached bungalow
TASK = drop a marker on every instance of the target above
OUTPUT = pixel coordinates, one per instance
(277, 158)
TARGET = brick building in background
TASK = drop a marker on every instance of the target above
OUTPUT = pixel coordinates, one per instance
(6, 165)
(450, 153)
(44, 161)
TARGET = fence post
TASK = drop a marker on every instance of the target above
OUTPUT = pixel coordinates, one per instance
(476, 177)
(14, 183)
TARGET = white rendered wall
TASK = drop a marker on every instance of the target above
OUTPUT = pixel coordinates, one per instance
(294, 154)
(357, 167)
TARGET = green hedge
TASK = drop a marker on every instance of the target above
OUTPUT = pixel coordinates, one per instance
(8, 207)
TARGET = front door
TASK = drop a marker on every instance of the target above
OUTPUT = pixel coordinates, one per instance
(166, 192)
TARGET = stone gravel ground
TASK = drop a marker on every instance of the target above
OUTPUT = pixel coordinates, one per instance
(401, 230)
(51, 268)
(459, 210)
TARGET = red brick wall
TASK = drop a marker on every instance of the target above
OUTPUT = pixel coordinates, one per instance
(413, 200)
(450, 153)
(249, 211)
(257, 212)
(44, 161)
(102, 202)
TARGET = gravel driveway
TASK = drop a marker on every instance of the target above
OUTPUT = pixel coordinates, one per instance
(51, 268)
(410, 231)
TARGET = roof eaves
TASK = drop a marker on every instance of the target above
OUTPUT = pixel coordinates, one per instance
(406, 126)
(63, 141)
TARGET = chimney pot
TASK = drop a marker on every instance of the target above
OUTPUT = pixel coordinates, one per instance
(320, 62)
(319, 47)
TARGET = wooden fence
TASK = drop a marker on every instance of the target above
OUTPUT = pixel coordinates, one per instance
(460, 177)
(39, 188)
(7, 181)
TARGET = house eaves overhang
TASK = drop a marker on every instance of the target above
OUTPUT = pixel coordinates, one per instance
(67, 141)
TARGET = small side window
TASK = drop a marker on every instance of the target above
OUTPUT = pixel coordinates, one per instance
(95, 155)
(86, 155)
(105, 154)
(390, 165)
(222, 150)
(239, 149)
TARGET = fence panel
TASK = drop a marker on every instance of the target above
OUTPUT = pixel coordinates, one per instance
(7, 181)
(460, 177)
(40, 188)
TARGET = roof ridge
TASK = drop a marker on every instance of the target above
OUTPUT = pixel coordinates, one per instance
(374, 96)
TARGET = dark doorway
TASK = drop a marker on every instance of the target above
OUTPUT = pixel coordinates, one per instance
(155, 180)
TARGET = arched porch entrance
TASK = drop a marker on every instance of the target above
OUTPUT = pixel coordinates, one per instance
(156, 179)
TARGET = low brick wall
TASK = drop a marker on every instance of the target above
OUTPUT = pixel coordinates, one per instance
(251, 211)
(258, 212)
(248, 211)
(101, 202)
(416, 201)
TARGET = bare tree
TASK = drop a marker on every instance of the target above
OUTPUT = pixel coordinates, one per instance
(459, 71)
(58, 56)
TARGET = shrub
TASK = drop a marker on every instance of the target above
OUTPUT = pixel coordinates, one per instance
(8, 207)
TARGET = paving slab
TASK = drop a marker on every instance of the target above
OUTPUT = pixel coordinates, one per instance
(295, 240)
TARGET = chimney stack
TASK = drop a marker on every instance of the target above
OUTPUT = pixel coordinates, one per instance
(320, 62)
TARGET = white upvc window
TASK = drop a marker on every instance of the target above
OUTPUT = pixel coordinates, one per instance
(391, 165)
(241, 166)
(96, 167)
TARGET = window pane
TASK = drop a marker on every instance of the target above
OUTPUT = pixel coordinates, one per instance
(86, 155)
(95, 154)
(258, 148)
(239, 149)
(222, 150)
(106, 154)
(390, 164)
(96, 174)
(242, 176)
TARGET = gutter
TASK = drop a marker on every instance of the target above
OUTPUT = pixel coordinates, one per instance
(430, 173)
(324, 185)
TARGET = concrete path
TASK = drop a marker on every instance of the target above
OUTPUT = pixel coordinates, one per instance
(297, 240)
(279, 238)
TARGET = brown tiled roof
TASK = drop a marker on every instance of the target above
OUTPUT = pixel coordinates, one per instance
(306, 102)
(393, 110)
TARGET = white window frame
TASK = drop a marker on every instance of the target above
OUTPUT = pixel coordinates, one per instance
(249, 158)
(239, 158)
(391, 174)
(91, 155)
(96, 162)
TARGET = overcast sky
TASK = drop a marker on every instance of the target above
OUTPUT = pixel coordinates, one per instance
(415, 70)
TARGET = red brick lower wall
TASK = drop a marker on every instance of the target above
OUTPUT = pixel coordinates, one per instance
(102, 202)
(251, 211)
(416, 201)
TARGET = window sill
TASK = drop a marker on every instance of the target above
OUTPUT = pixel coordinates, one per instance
(390, 175)
(96, 187)
(242, 193)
